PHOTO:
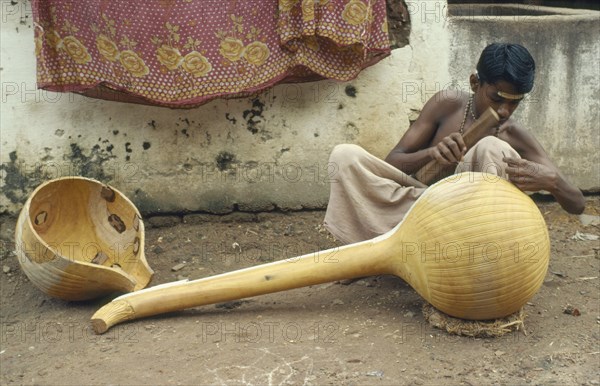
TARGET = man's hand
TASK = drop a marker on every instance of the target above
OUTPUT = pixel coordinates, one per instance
(530, 176)
(449, 150)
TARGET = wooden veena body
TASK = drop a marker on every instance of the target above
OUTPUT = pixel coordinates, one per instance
(79, 239)
(473, 245)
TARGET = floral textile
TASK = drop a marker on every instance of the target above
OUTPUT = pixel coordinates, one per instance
(183, 53)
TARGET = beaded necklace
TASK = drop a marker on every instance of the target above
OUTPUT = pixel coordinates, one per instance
(467, 108)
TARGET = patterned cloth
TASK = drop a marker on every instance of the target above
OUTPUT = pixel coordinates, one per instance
(183, 53)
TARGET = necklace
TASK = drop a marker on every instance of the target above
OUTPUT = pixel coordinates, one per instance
(472, 108)
(467, 109)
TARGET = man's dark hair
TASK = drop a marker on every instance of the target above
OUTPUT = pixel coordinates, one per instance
(509, 62)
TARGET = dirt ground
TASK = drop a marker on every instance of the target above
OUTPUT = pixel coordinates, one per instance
(369, 332)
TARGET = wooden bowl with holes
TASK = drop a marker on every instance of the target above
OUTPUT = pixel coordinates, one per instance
(79, 239)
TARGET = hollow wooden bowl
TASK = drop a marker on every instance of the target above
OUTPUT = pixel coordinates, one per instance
(78, 239)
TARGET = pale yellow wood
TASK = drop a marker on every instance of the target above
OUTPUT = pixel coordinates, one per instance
(473, 245)
(66, 225)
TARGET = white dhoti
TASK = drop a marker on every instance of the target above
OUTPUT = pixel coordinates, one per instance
(369, 197)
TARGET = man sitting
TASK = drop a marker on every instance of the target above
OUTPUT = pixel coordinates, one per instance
(371, 196)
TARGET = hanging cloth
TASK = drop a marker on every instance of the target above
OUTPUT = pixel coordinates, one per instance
(183, 53)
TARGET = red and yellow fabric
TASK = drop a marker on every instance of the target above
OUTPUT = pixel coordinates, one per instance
(183, 53)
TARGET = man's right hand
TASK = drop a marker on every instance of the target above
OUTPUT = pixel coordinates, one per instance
(449, 150)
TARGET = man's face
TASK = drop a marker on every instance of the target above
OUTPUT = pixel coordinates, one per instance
(500, 96)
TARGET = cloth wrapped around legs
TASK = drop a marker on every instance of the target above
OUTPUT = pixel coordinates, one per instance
(368, 196)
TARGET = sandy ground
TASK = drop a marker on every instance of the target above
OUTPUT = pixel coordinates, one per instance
(370, 332)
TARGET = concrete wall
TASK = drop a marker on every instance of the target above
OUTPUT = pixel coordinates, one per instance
(256, 153)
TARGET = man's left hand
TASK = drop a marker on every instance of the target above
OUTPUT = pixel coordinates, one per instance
(530, 176)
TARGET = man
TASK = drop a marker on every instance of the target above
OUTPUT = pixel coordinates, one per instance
(371, 196)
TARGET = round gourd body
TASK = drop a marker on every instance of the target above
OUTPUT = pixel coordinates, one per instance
(474, 246)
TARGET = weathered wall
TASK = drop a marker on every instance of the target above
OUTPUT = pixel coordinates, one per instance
(256, 153)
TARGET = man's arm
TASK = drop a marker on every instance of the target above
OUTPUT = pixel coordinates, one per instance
(535, 171)
(413, 150)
